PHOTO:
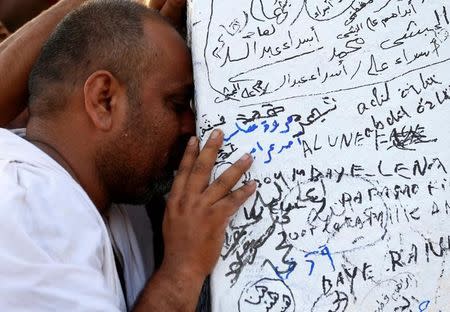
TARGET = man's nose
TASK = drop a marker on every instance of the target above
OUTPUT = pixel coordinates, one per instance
(188, 123)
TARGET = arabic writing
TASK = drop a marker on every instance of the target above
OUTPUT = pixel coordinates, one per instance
(344, 106)
(365, 47)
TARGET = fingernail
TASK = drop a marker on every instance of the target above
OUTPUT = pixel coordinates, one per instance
(192, 141)
(215, 134)
(251, 184)
(245, 157)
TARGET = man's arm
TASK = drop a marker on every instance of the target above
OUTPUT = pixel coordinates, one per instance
(194, 227)
(174, 10)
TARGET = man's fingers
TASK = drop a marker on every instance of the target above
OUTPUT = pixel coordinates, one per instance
(174, 11)
(204, 164)
(157, 4)
(228, 179)
(185, 168)
(231, 203)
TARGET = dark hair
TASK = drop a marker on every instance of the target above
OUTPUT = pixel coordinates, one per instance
(101, 34)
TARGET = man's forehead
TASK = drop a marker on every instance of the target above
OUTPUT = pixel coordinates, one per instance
(171, 59)
(162, 33)
(166, 43)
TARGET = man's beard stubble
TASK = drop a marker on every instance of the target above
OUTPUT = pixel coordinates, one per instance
(157, 187)
(127, 185)
(162, 184)
(124, 181)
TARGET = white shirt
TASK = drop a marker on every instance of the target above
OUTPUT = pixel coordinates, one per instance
(55, 251)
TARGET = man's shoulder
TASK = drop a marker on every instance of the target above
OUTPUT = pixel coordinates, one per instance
(46, 208)
(29, 171)
(15, 148)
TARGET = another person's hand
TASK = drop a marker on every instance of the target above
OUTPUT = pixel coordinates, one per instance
(174, 10)
(197, 214)
(4, 33)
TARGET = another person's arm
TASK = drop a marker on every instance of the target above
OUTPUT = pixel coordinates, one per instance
(18, 54)
(174, 10)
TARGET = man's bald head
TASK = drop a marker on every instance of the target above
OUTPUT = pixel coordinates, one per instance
(100, 35)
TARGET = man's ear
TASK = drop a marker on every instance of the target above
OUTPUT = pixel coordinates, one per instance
(103, 94)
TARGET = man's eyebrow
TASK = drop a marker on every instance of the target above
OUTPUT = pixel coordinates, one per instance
(184, 90)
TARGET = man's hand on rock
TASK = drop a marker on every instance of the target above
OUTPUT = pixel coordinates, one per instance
(197, 213)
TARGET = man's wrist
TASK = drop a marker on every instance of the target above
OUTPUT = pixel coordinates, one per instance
(171, 289)
(179, 273)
